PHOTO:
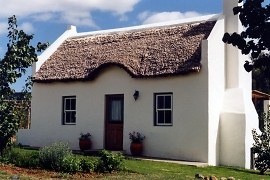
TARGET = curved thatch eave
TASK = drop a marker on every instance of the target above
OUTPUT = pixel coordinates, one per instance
(94, 74)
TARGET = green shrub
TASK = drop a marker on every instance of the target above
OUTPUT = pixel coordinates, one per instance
(29, 161)
(7, 157)
(51, 157)
(21, 158)
(261, 145)
(71, 164)
(88, 165)
(110, 161)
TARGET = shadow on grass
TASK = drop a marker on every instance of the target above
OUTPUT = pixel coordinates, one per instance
(248, 171)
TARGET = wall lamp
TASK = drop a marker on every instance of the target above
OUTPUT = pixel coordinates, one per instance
(136, 95)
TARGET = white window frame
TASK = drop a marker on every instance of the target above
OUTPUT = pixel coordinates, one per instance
(163, 109)
(65, 98)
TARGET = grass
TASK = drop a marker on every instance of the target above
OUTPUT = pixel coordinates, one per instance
(4, 175)
(142, 169)
(160, 170)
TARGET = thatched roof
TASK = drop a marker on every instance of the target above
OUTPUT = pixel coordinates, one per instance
(159, 51)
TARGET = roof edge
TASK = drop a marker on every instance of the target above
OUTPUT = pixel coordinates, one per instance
(212, 17)
(71, 31)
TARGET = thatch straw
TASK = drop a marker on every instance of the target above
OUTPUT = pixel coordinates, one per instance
(160, 51)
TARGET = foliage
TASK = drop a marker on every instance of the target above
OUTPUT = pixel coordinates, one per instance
(74, 163)
(110, 161)
(84, 136)
(9, 123)
(71, 164)
(255, 38)
(88, 165)
(261, 145)
(136, 137)
(19, 56)
(30, 159)
(26, 159)
(260, 78)
(51, 157)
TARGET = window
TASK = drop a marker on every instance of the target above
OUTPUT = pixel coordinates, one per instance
(69, 110)
(163, 109)
(115, 108)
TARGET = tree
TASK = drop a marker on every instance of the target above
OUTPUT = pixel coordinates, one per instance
(255, 39)
(261, 78)
(261, 146)
(19, 56)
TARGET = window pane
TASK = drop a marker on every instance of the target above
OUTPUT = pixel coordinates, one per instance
(168, 102)
(67, 104)
(69, 109)
(116, 110)
(168, 117)
(73, 117)
(67, 119)
(73, 104)
(160, 116)
(160, 102)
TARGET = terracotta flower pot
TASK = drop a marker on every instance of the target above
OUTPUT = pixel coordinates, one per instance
(85, 144)
(136, 149)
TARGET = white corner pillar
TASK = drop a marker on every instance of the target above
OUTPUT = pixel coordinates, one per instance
(238, 116)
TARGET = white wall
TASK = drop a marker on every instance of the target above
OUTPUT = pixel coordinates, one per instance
(216, 86)
(186, 139)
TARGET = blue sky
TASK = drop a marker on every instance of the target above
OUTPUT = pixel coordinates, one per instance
(48, 19)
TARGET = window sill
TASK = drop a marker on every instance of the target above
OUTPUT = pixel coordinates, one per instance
(69, 124)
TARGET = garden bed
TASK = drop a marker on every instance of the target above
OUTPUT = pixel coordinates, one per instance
(9, 171)
(133, 169)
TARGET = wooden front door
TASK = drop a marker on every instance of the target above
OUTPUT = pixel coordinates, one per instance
(114, 119)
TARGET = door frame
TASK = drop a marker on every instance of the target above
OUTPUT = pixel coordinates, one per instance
(109, 97)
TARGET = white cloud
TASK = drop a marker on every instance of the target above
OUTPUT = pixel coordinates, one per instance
(142, 16)
(70, 11)
(43, 16)
(3, 28)
(147, 17)
(78, 18)
(123, 18)
(27, 27)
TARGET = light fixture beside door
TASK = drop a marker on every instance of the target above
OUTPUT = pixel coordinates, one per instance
(136, 95)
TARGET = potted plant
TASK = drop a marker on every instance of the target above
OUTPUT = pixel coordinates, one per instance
(85, 142)
(136, 145)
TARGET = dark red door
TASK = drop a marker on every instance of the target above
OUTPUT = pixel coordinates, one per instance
(114, 122)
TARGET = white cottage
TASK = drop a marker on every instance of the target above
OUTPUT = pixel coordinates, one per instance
(194, 96)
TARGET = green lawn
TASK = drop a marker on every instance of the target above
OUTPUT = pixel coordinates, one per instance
(160, 170)
(142, 169)
(4, 175)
